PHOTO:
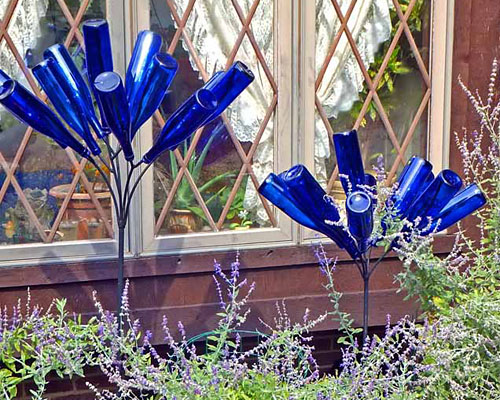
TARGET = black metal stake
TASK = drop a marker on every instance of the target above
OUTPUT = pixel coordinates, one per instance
(121, 261)
(121, 195)
(366, 273)
(366, 293)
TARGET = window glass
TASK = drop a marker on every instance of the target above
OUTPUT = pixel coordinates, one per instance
(373, 77)
(209, 183)
(46, 194)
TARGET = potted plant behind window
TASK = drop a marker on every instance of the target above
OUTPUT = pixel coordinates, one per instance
(186, 215)
(81, 218)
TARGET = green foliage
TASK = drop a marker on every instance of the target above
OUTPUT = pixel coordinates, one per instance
(461, 291)
(184, 198)
(401, 60)
(39, 343)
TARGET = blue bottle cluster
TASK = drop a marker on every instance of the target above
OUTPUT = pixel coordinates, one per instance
(431, 203)
(123, 107)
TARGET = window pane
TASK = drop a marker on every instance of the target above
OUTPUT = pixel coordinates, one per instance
(209, 183)
(43, 198)
(382, 53)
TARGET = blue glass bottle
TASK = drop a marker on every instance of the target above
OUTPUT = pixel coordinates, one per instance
(370, 181)
(460, 206)
(98, 54)
(4, 77)
(310, 197)
(183, 123)
(109, 88)
(149, 96)
(30, 110)
(275, 190)
(360, 217)
(146, 46)
(227, 86)
(349, 160)
(414, 179)
(299, 195)
(64, 102)
(441, 190)
(69, 77)
(371, 188)
(308, 192)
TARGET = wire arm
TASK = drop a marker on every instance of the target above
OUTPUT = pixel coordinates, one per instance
(134, 187)
(116, 166)
(379, 260)
(108, 184)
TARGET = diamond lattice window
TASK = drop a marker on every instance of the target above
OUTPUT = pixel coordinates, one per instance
(371, 71)
(372, 75)
(46, 193)
(209, 184)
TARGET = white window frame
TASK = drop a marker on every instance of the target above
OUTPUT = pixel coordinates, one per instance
(81, 250)
(282, 235)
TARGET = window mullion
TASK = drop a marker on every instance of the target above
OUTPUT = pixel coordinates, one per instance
(441, 77)
(306, 91)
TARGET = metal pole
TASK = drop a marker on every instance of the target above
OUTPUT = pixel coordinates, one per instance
(121, 257)
(366, 293)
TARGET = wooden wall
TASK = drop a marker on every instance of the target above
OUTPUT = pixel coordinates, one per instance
(182, 287)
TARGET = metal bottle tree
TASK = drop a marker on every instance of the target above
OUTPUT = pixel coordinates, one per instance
(428, 203)
(123, 109)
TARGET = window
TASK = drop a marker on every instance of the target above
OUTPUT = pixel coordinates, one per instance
(321, 66)
(373, 63)
(47, 195)
(205, 193)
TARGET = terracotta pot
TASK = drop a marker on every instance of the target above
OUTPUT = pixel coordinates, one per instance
(81, 212)
(182, 221)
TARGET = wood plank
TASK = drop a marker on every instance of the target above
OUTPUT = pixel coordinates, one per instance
(476, 43)
(178, 264)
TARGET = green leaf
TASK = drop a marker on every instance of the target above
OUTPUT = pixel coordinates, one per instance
(199, 163)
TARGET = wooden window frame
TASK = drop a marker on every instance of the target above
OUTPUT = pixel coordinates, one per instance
(281, 235)
(81, 250)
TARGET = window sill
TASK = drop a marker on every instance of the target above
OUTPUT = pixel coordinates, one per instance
(194, 263)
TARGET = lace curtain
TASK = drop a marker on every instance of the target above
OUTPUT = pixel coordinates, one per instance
(24, 30)
(370, 26)
(213, 28)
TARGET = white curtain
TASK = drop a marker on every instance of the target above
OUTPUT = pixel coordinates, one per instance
(370, 26)
(24, 30)
(213, 28)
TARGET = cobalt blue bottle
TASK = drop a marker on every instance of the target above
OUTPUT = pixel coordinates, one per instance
(112, 96)
(30, 110)
(349, 160)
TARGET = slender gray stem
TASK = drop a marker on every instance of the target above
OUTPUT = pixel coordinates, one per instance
(108, 166)
(121, 262)
(130, 173)
(366, 294)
